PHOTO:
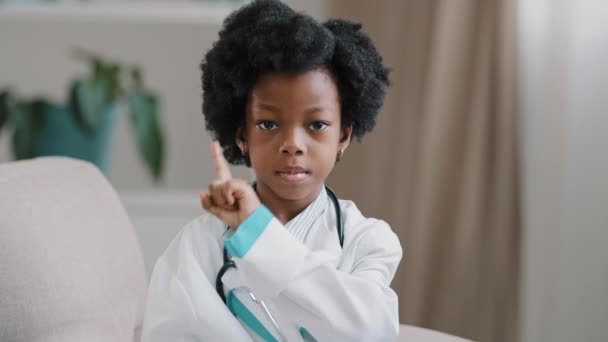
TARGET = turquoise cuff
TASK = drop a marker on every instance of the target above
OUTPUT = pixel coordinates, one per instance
(248, 232)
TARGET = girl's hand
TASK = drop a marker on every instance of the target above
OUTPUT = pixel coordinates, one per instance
(231, 200)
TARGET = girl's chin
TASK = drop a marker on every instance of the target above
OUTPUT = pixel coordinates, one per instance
(294, 192)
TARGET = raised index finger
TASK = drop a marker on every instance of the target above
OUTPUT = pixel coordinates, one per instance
(222, 170)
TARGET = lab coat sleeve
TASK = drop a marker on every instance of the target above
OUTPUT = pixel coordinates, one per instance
(331, 304)
(182, 303)
(170, 315)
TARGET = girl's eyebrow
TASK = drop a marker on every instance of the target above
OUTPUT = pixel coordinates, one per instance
(314, 110)
(268, 108)
(274, 109)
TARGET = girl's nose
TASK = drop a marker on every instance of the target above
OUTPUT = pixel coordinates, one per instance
(293, 142)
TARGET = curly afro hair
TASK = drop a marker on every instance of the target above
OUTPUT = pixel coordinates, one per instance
(267, 36)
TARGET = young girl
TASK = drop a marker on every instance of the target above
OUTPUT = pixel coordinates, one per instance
(282, 259)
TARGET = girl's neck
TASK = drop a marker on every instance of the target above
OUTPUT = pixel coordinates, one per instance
(283, 209)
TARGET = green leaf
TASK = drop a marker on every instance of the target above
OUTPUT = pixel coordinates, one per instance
(143, 112)
(88, 98)
(109, 76)
(97, 66)
(26, 120)
(112, 77)
(137, 77)
(4, 98)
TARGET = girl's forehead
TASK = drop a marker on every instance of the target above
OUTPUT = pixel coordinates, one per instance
(314, 86)
(295, 98)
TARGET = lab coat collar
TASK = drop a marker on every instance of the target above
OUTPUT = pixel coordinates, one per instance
(300, 225)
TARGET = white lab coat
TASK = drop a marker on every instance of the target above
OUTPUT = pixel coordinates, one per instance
(334, 293)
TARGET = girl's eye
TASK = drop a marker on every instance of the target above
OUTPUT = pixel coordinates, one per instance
(318, 126)
(267, 125)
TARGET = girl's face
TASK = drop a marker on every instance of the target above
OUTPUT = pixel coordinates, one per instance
(293, 133)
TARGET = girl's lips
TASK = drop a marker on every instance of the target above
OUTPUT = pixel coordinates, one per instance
(293, 176)
(292, 169)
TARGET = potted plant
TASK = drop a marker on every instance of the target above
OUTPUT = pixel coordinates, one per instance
(83, 127)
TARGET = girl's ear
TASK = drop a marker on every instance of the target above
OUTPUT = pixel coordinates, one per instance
(241, 142)
(345, 136)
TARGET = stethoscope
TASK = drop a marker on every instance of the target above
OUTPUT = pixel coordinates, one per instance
(228, 264)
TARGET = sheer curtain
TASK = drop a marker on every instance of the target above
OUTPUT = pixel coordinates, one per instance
(564, 87)
(442, 164)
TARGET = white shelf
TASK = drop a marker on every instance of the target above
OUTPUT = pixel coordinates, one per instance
(165, 12)
(162, 203)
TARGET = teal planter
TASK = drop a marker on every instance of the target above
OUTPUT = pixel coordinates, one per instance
(61, 135)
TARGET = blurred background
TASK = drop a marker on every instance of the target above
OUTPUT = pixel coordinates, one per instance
(487, 159)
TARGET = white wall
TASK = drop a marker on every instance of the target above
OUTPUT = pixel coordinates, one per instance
(168, 44)
(564, 125)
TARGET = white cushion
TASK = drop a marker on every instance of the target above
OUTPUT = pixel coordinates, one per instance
(71, 268)
(411, 333)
